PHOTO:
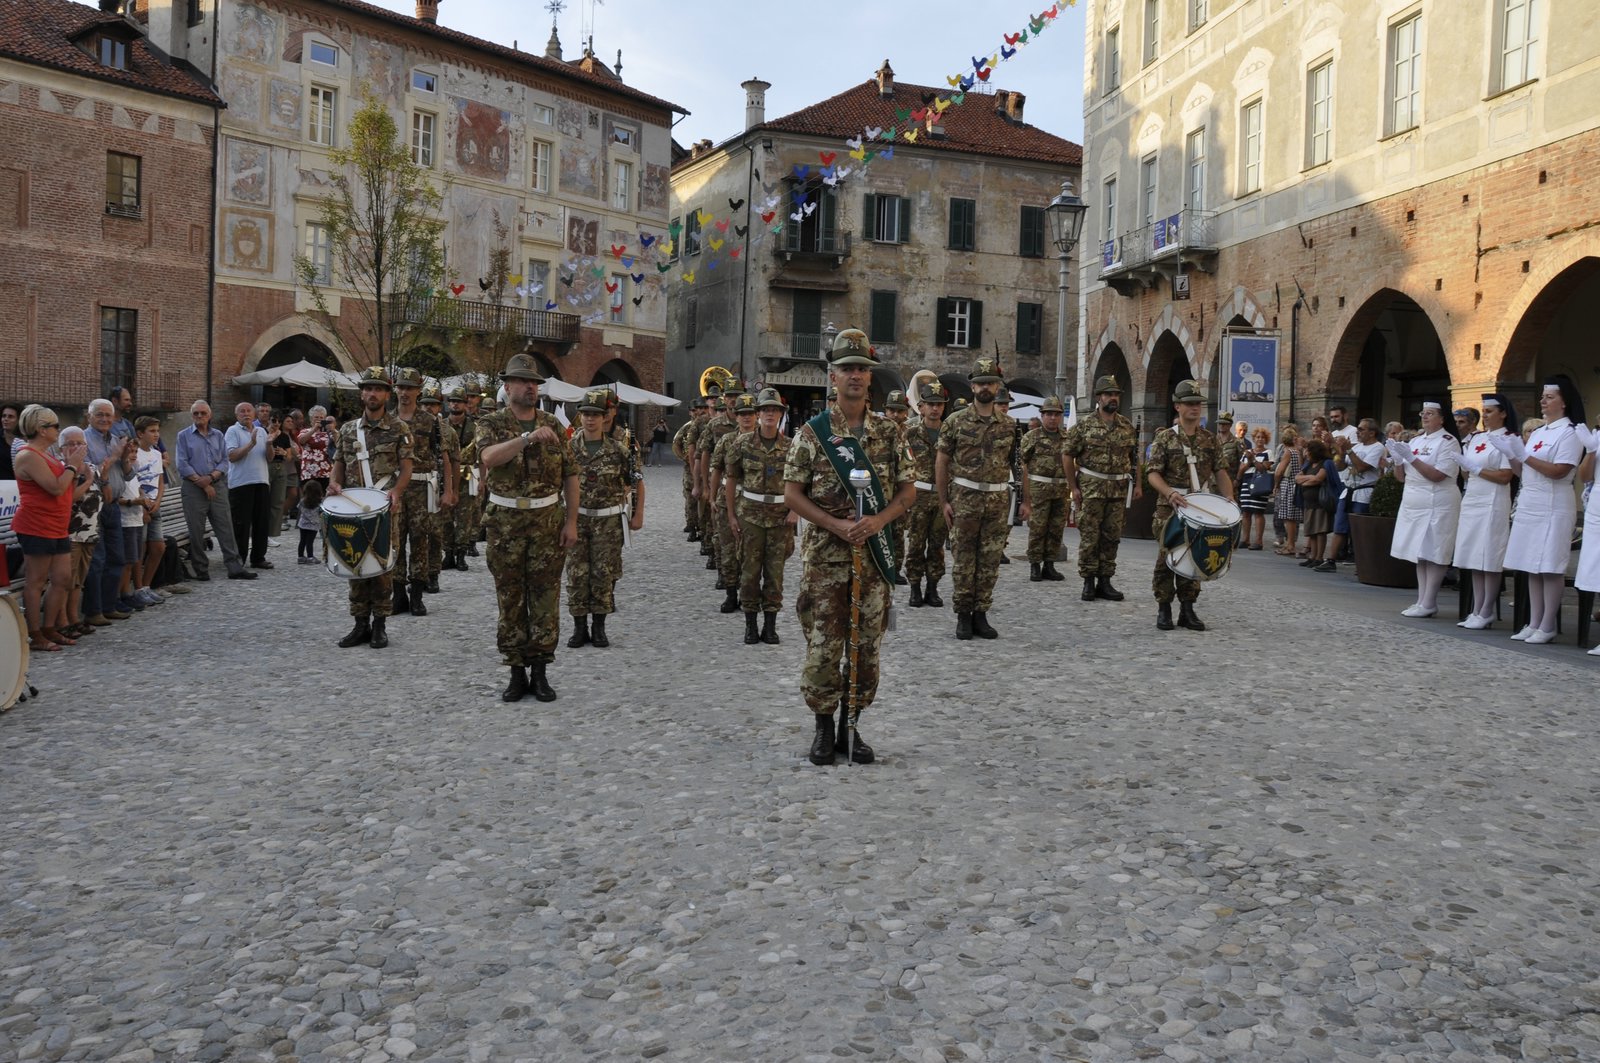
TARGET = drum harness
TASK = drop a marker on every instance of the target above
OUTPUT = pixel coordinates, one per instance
(364, 456)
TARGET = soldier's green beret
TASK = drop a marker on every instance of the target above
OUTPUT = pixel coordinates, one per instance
(851, 347)
(374, 376)
(1186, 392)
(1053, 404)
(934, 392)
(896, 401)
(744, 404)
(408, 377)
(1107, 385)
(1003, 394)
(522, 367)
(986, 369)
(431, 396)
(594, 401)
(769, 398)
(457, 394)
(1224, 417)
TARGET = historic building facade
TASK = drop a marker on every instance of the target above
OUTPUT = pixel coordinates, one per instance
(105, 215)
(938, 248)
(1398, 188)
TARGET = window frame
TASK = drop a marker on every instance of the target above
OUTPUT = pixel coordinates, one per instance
(541, 160)
(1113, 59)
(1194, 165)
(676, 243)
(311, 54)
(874, 215)
(538, 272)
(963, 231)
(877, 300)
(1397, 70)
(1199, 14)
(118, 48)
(1531, 55)
(419, 117)
(1108, 203)
(1152, 32)
(621, 185)
(619, 300)
(1030, 315)
(1032, 221)
(121, 205)
(122, 329)
(431, 89)
(1250, 156)
(1149, 187)
(691, 233)
(329, 95)
(1324, 105)
(691, 321)
(544, 115)
(958, 313)
(319, 252)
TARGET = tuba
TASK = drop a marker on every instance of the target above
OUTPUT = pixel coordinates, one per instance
(919, 380)
(720, 375)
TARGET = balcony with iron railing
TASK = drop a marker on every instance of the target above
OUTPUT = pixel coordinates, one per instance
(806, 246)
(807, 347)
(446, 313)
(1137, 260)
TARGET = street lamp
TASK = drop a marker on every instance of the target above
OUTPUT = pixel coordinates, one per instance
(1066, 213)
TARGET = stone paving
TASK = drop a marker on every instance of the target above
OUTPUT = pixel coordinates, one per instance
(1306, 834)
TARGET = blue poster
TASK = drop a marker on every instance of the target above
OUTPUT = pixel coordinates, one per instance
(1252, 368)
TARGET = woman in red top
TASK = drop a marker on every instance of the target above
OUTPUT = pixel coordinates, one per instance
(45, 487)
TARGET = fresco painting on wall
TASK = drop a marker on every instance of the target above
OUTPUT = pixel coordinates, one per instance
(247, 240)
(578, 172)
(471, 233)
(483, 139)
(569, 119)
(255, 35)
(249, 169)
(242, 90)
(285, 112)
(654, 187)
(583, 234)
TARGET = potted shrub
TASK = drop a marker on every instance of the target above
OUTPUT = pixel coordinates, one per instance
(1372, 537)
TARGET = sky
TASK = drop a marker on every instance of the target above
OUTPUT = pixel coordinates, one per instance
(695, 53)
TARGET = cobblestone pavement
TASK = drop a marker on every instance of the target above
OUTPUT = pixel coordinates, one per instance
(1303, 835)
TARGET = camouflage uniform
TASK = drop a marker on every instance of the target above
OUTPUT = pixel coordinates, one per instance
(388, 444)
(926, 529)
(682, 448)
(1107, 449)
(594, 563)
(979, 450)
(823, 603)
(728, 546)
(711, 433)
(413, 526)
(525, 554)
(1167, 457)
(450, 444)
(462, 520)
(1232, 449)
(1040, 455)
(766, 539)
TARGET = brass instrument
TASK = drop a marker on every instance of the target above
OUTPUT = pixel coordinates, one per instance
(720, 375)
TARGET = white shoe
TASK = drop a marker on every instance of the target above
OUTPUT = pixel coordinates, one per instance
(274, 542)
(1595, 652)
(1476, 622)
(1539, 638)
(1418, 612)
(1522, 635)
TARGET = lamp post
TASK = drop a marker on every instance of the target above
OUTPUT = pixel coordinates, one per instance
(1066, 213)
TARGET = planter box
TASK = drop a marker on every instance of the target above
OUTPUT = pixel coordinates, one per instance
(1371, 539)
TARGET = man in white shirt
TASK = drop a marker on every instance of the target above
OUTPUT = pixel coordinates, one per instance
(249, 497)
(1339, 424)
(1362, 463)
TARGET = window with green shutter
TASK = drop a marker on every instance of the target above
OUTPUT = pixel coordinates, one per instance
(886, 219)
(963, 225)
(881, 322)
(1031, 244)
(1030, 328)
(958, 323)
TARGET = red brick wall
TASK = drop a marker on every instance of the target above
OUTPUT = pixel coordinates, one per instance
(64, 257)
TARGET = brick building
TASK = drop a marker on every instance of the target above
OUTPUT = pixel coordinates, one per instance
(562, 152)
(1401, 190)
(105, 211)
(939, 252)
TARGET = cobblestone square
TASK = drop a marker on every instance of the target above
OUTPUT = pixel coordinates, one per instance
(1314, 832)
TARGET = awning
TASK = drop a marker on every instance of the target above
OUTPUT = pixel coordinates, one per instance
(1023, 413)
(301, 374)
(640, 397)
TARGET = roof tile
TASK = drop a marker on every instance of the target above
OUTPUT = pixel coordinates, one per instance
(42, 32)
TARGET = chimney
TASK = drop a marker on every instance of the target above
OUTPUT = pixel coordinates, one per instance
(428, 11)
(755, 102)
(886, 80)
(699, 148)
(1009, 103)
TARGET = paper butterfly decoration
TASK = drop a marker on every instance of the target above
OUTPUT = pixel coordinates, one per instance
(735, 205)
(638, 278)
(627, 261)
(617, 250)
(645, 239)
(827, 157)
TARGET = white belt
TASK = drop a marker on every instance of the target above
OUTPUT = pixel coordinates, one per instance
(1036, 478)
(609, 511)
(974, 485)
(923, 486)
(424, 477)
(523, 503)
(1103, 475)
(768, 499)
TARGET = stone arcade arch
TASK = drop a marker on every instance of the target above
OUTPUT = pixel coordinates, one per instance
(1552, 331)
(1390, 358)
(1167, 363)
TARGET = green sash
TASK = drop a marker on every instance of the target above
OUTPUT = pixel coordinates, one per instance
(844, 454)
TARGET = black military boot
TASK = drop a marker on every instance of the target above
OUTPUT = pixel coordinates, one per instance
(597, 631)
(1004, 560)
(930, 596)
(1088, 594)
(730, 604)
(769, 628)
(433, 584)
(418, 606)
(380, 636)
(751, 636)
(472, 548)
(401, 603)
(822, 741)
(1034, 575)
(518, 685)
(1187, 617)
(711, 562)
(539, 684)
(900, 579)
(980, 626)
(858, 752)
(362, 632)
(1164, 616)
(964, 626)
(721, 586)
(694, 536)
(1050, 574)
(916, 594)
(1104, 589)
(580, 633)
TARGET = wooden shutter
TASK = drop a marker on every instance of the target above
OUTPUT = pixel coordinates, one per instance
(828, 237)
(869, 217)
(905, 220)
(975, 329)
(941, 323)
(883, 317)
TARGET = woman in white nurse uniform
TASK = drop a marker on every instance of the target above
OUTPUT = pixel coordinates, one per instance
(1485, 526)
(1589, 560)
(1425, 530)
(1547, 508)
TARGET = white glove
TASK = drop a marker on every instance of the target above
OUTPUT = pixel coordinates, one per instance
(1509, 444)
(1400, 452)
(1587, 436)
(1471, 459)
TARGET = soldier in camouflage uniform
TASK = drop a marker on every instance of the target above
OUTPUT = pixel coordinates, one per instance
(897, 410)
(729, 566)
(605, 479)
(416, 518)
(723, 560)
(682, 449)
(1097, 459)
(531, 515)
(926, 530)
(813, 490)
(973, 474)
(373, 450)
(1044, 489)
(1232, 446)
(1170, 457)
(753, 470)
(449, 466)
(462, 521)
(720, 419)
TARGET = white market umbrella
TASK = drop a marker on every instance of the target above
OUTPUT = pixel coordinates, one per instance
(640, 397)
(301, 374)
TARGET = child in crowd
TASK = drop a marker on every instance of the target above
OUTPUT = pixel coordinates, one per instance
(150, 470)
(310, 520)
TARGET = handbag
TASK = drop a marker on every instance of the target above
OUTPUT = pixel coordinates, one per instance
(1261, 484)
(1327, 491)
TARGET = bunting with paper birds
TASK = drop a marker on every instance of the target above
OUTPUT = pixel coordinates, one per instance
(712, 243)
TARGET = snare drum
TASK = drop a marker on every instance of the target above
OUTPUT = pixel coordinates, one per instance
(1200, 538)
(356, 541)
(13, 651)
